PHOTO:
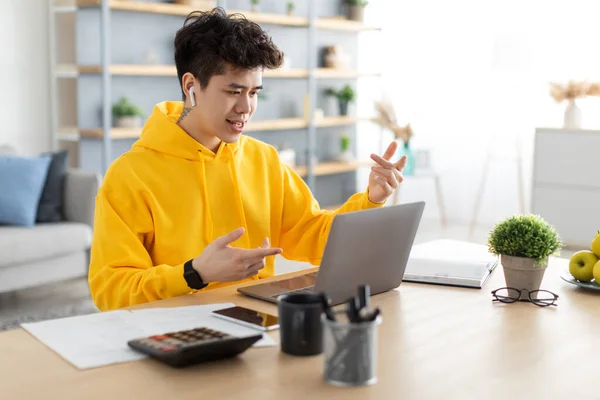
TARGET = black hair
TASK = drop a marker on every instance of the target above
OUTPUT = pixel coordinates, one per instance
(210, 41)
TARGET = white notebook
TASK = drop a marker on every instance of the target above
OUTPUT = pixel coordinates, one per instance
(450, 262)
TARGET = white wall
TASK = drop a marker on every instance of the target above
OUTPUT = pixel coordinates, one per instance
(469, 75)
(24, 75)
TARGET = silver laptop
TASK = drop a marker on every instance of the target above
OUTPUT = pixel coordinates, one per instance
(364, 247)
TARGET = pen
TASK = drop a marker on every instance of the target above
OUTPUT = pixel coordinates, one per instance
(352, 310)
(373, 316)
(326, 302)
(364, 291)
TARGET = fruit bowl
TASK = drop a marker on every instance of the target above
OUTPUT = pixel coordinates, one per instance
(567, 277)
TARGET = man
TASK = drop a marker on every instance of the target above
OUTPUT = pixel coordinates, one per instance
(195, 204)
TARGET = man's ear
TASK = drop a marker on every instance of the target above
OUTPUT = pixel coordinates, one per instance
(187, 82)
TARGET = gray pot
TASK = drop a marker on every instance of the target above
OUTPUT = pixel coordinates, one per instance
(522, 273)
(356, 13)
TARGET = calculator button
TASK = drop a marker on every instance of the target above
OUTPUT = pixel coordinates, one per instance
(169, 348)
(159, 338)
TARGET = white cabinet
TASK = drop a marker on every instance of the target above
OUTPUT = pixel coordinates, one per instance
(566, 183)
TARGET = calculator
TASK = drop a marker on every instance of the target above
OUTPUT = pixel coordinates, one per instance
(183, 348)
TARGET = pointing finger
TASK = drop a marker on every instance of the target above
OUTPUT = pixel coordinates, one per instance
(383, 162)
(401, 163)
(255, 255)
(230, 237)
(391, 150)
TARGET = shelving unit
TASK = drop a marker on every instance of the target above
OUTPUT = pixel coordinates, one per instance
(336, 23)
(69, 70)
(253, 126)
(106, 70)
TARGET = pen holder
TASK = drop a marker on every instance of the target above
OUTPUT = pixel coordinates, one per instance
(350, 351)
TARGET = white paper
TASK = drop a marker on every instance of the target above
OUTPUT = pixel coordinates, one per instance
(95, 340)
(91, 340)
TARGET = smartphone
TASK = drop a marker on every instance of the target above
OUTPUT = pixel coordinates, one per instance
(247, 317)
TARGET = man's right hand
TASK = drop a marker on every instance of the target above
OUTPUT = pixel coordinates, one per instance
(219, 262)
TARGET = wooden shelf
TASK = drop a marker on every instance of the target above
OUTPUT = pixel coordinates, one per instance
(276, 124)
(335, 121)
(70, 70)
(140, 6)
(332, 167)
(115, 133)
(332, 73)
(183, 10)
(271, 19)
(342, 24)
(253, 126)
(330, 23)
(290, 73)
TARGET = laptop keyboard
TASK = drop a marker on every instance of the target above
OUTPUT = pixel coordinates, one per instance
(307, 290)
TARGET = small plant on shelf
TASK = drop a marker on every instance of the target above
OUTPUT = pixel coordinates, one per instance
(345, 152)
(344, 96)
(356, 9)
(290, 8)
(255, 5)
(126, 114)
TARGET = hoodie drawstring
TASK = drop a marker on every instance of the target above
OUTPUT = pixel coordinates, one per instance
(238, 195)
(208, 226)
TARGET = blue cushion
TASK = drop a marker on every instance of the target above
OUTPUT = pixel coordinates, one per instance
(21, 183)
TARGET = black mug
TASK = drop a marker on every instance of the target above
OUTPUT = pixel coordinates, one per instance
(300, 326)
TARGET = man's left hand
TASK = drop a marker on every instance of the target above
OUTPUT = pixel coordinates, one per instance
(386, 176)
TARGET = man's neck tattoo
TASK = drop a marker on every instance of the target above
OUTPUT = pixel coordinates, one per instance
(184, 113)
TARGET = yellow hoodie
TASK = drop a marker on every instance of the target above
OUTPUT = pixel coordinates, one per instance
(165, 200)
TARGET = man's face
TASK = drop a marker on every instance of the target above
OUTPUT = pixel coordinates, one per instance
(227, 103)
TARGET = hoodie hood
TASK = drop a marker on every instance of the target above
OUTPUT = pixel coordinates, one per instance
(162, 134)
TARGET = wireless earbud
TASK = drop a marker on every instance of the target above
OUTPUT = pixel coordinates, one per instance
(192, 97)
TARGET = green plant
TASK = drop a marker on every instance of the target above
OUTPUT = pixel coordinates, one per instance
(362, 3)
(346, 94)
(290, 7)
(527, 236)
(255, 2)
(344, 142)
(125, 108)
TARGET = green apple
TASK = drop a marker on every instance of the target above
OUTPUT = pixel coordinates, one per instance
(597, 272)
(581, 265)
(596, 244)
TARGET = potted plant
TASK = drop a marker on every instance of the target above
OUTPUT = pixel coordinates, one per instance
(524, 244)
(126, 114)
(255, 5)
(571, 91)
(290, 8)
(345, 152)
(344, 96)
(356, 9)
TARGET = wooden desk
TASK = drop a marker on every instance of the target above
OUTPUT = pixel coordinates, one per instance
(435, 342)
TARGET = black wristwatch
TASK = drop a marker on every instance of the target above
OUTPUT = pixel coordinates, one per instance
(192, 277)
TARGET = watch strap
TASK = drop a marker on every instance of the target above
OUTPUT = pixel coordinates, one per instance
(192, 277)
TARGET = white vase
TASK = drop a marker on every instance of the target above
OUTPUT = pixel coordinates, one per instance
(346, 156)
(129, 122)
(572, 116)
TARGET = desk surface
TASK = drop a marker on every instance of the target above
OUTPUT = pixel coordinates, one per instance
(435, 342)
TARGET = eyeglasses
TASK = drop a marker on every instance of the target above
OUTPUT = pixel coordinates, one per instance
(542, 298)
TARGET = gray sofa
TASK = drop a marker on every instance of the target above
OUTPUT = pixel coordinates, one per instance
(51, 252)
